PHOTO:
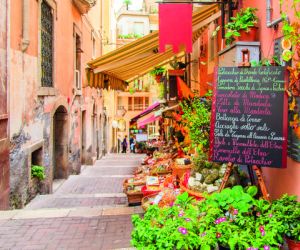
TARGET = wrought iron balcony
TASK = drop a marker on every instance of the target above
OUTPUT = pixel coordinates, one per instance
(84, 5)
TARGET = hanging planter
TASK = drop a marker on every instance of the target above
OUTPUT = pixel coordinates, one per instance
(157, 73)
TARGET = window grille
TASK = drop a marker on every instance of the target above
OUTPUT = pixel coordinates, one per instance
(46, 45)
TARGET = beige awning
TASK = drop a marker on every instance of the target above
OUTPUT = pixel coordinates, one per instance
(140, 56)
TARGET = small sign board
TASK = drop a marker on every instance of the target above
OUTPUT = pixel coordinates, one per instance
(249, 116)
(141, 137)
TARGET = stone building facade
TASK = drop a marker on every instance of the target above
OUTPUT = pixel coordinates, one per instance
(4, 140)
(56, 120)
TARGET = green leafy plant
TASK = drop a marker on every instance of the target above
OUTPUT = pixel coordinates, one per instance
(244, 20)
(129, 36)
(235, 219)
(171, 228)
(196, 118)
(274, 61)
(287, 210)
(157, 71)
(291, 30)
(38, 172)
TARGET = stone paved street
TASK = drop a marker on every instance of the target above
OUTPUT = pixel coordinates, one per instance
(88, 211)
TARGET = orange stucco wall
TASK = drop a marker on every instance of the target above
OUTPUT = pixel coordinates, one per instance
(278, 181)
(287, 180)
(33, 107)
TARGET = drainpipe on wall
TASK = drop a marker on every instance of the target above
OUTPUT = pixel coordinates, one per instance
(271, 23)
(25, 38)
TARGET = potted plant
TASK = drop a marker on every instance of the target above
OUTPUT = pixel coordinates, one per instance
(287, 210)
(158, 72)
(37, 176)
(243, 26)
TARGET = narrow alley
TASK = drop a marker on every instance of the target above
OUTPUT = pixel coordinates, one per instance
(87, 211)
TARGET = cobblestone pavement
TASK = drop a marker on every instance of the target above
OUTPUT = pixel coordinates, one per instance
(88, 211)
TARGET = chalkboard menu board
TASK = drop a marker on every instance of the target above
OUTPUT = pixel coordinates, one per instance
(249, 116)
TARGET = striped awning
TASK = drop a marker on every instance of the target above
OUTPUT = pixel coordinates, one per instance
(140, 56)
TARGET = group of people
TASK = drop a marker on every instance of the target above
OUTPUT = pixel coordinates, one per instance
(124, 144)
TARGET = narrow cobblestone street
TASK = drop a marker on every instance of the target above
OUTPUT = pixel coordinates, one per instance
(87, 211)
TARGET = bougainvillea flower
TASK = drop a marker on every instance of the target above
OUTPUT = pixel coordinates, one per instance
(258, 214)
(180, 214)
(270, 215)
(182, 230)
(187, 219)
(266, 248)
(235, 211)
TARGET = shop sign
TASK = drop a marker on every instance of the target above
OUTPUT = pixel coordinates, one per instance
(249, 116)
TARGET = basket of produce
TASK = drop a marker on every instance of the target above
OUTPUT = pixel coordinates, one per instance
(150, 190)
(134, 181)
(180, 170)
(134, 194)
(165, 197)
(193, 193)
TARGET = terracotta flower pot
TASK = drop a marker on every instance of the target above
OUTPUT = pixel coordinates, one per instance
(293, 245)
(250, 36)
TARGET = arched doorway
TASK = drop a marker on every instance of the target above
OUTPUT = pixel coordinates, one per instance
(60, 143)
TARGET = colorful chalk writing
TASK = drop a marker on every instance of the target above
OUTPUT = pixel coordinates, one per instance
(248, 116)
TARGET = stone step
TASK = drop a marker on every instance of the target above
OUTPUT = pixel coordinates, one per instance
(70, 201)
(69, 212)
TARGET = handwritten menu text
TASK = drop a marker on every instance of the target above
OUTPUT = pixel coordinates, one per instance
(248, 116)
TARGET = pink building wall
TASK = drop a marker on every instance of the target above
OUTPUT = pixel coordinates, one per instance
(37, 111)
(279, 181)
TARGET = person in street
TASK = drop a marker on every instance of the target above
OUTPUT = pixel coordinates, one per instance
(132, 145)
(124, 145)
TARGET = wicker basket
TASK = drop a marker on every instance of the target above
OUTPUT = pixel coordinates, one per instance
(145, 199)
(137, 183)
(197, 195)
(134, 198)
(180, 170)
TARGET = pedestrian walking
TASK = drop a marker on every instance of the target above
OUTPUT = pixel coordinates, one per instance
(124, 144)
(132, 145)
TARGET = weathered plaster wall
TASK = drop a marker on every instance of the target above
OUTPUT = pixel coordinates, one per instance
(33, 114)
(4, 125)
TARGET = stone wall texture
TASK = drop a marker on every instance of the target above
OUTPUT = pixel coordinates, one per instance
(48, 121)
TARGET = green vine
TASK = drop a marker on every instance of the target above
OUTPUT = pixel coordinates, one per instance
(196, 119)
(291, 32)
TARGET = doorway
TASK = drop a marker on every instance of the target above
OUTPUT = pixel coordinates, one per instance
(60, 145)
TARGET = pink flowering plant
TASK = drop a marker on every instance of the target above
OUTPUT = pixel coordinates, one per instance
(174, 227)
(232, 218)
(239, 221)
